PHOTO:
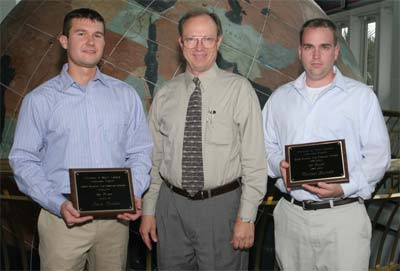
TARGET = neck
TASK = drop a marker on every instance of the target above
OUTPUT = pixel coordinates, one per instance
(317, 83)
(81, 75)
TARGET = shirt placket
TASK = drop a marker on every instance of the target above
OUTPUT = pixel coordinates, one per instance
(93, 126)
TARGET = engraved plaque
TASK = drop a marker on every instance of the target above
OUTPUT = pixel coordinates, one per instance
(102, 191)
(314, 162)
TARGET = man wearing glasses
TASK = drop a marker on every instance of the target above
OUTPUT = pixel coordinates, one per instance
(209, 169)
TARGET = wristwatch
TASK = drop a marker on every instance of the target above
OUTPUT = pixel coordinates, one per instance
(246, 220)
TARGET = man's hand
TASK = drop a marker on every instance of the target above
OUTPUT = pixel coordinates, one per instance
(284, 166)
(243, 235)
(148, 230)
(325, 190)
(71, 216)
(132, 217)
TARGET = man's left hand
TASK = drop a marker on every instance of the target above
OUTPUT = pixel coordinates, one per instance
(243, 235)
(325, 190)
(132, 217)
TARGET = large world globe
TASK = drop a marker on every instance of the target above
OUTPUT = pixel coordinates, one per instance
(260, 42)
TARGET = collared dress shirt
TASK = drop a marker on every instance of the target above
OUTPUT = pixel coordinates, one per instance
(346, 109)
(232, 136)
(63, 125)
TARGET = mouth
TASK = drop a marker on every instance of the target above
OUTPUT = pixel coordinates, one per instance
(89, 51)
(199, 55)
(316, 65)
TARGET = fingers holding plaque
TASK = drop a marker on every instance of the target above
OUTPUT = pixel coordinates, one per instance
(102, 191)
(323, 161)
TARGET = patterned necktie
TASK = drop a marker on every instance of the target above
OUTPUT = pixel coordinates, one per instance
(192, 155)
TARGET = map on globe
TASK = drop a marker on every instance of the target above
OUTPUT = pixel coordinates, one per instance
(260, 40)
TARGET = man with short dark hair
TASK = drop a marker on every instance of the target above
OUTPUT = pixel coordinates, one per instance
(325, 226)
(209, 172)
(81, 118)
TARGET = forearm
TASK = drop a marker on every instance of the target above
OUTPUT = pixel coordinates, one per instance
(32, 181)
(150, 198)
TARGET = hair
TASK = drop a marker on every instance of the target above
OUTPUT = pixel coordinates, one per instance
(81, 13)
(200, 12)
(319, 22)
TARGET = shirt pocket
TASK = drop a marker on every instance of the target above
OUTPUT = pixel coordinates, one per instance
(167, 131)
(114, 131)
(219, 131)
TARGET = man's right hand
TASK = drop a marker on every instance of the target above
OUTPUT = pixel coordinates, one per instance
(71, 216)
(284, 166)
(148, 230)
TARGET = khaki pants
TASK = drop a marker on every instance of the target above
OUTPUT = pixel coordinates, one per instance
(102, 243)
(336, 239)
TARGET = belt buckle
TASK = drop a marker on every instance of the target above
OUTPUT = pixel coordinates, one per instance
(304, 202)
(204, 194)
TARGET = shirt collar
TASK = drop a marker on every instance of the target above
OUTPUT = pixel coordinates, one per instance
(338, 81)
(67, 80)
(207, 78)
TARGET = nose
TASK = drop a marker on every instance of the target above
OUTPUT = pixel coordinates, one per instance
(316, 54)
(199, 43)
(90, 39)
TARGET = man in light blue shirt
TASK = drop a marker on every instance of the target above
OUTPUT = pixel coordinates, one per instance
(333, 231)
(81, 118)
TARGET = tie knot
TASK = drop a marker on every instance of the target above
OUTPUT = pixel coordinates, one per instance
(196, 81)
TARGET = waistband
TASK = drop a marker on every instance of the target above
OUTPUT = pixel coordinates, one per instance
(205, 194)
(316, 205)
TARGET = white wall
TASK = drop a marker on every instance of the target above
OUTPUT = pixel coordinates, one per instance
(6, 6)
(388, 31)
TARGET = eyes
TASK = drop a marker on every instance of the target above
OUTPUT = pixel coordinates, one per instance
(325, 47)
(97, 35)
(191, 42)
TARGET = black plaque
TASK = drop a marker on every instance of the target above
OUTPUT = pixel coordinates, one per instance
(102, 191)
(323, 161)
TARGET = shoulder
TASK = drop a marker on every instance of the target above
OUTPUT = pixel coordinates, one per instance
(283, 91)
(171, 88)
(46, 91)
(233, 78)
(358, 89)
(117, 83)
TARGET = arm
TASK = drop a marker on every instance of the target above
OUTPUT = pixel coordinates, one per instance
(374, 149)
(27, 152)
(276, 157)
(148, 223)
(138, 154)
(254, 172)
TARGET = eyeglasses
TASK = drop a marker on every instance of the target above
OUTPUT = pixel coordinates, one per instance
(191, 42)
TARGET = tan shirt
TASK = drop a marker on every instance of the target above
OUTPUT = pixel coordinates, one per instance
(233, 144)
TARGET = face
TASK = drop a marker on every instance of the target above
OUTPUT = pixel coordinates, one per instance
(200, 59)
(318, 54)
(85, 44)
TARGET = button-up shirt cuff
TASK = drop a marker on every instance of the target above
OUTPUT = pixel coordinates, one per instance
(140, 184)
(148, 207)
(55, 204)
(274, 169)
(248, 211)
(349, 189)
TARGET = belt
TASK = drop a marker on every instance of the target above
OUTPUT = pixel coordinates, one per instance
(205, 194)
(316, 205)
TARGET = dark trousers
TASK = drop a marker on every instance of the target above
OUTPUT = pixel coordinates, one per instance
(196, 235)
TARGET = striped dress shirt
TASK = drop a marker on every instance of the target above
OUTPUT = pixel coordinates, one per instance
(63, 125)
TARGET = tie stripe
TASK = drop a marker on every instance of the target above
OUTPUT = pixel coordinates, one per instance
(192, 153)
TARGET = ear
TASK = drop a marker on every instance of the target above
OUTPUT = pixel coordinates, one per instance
(219, 41)
(63, 41)
(180, 42)
(299, 52)
(337, 48)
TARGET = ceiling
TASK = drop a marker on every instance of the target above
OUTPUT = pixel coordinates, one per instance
(333, 6)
